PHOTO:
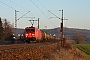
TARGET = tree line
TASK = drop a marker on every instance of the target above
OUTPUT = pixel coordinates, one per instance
(5, 29)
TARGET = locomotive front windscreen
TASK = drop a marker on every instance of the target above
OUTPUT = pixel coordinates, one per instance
(30, 30)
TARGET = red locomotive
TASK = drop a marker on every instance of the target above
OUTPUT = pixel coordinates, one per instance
(34, 34)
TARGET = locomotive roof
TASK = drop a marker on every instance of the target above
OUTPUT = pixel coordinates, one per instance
(30, 27)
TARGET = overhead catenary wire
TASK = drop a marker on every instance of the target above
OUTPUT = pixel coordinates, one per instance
(12, 7)
(15, 3)
(18, 5)
(23, 15)
(42, 5)
(46, 10)
(22, 7)
(7, 5)
(38, 8)
(53, 14)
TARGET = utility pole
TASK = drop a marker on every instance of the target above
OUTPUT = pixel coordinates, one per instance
(16, 18)
(19, 18)
(38, 23)
(16, 33)
(32, 22)
(16, 26)
(63, 39)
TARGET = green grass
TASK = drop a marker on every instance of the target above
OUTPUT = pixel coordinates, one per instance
(84, 47)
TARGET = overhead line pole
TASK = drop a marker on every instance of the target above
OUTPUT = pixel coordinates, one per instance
(38, 23)
(16, 25)
(16, 18)
(62, 34)
(16, 22)
(63, 39)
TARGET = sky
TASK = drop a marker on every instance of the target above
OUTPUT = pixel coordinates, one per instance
(76, 11)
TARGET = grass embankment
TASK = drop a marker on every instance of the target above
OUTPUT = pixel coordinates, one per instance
(85, 48)
(41, 51)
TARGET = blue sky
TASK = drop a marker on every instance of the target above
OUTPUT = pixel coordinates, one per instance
(76, 11)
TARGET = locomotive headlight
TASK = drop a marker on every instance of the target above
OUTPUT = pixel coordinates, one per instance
(14, 37)
(26, 34)
(33, 35)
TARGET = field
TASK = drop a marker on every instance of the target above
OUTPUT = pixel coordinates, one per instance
(85, 48)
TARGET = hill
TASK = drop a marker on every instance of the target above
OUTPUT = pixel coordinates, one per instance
(68, 32)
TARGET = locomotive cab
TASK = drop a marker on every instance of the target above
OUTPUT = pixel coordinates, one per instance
(29, 33)
(32, 34)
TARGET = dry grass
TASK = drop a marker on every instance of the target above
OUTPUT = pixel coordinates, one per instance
(52, 51)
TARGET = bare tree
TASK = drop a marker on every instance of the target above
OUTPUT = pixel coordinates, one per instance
(7, 29)
(79, 38)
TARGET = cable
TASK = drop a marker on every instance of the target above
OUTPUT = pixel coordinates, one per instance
(54, 14)
(24, 15)
(7, 5)
(42, 5)
(37, 7)
(18, 5)
(46, 10)
(15, 3)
